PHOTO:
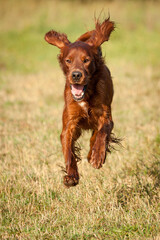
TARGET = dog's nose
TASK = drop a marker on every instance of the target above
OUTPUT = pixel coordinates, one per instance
(76, 76)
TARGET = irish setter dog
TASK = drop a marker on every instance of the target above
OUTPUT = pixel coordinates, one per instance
(88, 95)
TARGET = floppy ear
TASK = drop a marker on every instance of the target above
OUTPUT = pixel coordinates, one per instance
(84, 37)
(59, 40)
(101, 33)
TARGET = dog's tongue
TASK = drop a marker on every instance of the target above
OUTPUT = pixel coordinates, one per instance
(77, 89)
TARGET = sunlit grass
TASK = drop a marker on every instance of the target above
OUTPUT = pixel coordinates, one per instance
(120, 201)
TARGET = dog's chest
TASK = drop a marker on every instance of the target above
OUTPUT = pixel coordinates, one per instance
(84, 106)
(88, 118)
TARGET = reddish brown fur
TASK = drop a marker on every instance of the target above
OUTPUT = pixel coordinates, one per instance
(94, 110)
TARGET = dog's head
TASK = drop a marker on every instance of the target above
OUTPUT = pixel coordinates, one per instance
(80, 60)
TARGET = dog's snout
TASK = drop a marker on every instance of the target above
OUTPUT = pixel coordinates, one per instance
(76, 76)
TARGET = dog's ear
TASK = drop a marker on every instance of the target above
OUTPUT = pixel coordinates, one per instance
(84, 37)
(101, 33)
(59, 40)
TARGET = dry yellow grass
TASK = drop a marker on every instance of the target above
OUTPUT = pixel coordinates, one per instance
(120, 201)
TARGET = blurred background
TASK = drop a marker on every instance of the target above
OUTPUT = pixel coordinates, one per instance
(31, 105)
(23, 25)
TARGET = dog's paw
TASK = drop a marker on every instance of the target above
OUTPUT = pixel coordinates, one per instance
(70, 181)
(98, 158)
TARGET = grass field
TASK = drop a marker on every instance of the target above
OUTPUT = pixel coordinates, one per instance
(120, 201)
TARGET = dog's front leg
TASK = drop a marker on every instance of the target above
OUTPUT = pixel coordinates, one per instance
(100, 140)
(69, 135)
(92, 141)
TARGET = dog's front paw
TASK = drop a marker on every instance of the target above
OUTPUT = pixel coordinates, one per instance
(70, 181)
(98, 157)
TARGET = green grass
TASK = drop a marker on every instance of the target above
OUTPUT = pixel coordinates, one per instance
(120, 201)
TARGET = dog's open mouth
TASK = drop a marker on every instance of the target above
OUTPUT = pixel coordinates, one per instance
(78, 91)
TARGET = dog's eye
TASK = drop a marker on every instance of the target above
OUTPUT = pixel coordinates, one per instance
(85, 60)
(68, 60)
